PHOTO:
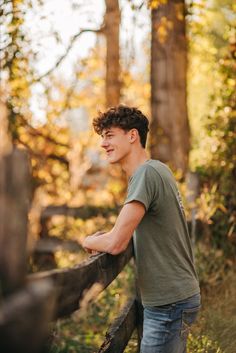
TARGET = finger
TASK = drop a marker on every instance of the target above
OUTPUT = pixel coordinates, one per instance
(99, 233)
(94, 254)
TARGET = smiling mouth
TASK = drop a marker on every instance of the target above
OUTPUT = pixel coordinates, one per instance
(109, 151)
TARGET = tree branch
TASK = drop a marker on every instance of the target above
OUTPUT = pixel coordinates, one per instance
(42, 156)
(59, 61)
(35, 132)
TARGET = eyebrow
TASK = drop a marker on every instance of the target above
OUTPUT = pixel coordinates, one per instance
(106, 133)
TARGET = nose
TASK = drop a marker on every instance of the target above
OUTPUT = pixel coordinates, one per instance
(104, 142)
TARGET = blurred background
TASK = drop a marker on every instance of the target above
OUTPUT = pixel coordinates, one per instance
(64, 61)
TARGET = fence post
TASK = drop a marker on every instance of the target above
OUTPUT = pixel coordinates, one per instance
(139, 310)
(14, 207)
(25, 309)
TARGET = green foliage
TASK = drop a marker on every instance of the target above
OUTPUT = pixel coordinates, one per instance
(202, 344)
(212, 265)
(211, 29)
(215, 328)
(219, 169)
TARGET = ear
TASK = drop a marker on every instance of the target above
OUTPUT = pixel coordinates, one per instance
(133, 135)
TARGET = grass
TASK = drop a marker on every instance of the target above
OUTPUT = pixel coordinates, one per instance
(215, 331)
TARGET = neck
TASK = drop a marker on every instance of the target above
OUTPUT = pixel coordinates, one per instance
(133, 161)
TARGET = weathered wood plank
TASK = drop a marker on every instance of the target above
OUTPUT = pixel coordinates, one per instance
(77, 285)
(84, 212)
(121, 330)
(25, 317)
(53, 244)
(43, 256)
(14, 206)
(139, 309)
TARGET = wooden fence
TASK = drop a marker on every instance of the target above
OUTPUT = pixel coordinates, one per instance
(30, 303)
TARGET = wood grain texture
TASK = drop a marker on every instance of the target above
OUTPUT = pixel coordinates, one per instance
(83, 212)
(14, 206)
(76, 286)
(121, 330)
(25, 317)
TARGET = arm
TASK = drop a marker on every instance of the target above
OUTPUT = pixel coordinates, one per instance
(117, 240)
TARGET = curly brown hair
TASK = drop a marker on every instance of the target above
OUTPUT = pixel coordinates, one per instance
(124, 117)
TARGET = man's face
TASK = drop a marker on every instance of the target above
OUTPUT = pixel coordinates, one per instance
(116, 143)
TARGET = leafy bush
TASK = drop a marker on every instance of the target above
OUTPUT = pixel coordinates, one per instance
(218, 171)
(212, 265)
(202, 344)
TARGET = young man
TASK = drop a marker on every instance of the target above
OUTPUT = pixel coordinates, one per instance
(153, 212)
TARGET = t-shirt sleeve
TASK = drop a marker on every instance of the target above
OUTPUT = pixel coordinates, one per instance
(143, 187)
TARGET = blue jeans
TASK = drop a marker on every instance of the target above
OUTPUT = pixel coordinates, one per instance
(166, 328)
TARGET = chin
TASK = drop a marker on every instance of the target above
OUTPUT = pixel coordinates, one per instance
(113, 161)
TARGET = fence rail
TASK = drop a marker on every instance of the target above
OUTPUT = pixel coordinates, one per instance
(29, 303)
(83, 212)
(74, 284)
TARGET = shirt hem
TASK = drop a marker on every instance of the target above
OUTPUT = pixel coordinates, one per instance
(171, 300)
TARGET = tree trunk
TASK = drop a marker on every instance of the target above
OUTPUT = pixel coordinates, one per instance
(170, 133)
(112, 27)
(5, 142)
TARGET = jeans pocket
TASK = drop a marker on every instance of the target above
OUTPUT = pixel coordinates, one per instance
(189, 316)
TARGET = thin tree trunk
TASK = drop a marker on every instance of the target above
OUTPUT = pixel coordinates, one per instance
(170, 133)
(5, 142)
(112, 27)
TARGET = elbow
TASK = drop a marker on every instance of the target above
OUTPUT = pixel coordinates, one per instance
(118, 249)
(117, 244)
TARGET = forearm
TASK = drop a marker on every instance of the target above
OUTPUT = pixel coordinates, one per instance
(117, 240)
(110, 242)
(101, 242)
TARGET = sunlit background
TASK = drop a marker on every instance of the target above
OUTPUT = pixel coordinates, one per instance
(54, 64)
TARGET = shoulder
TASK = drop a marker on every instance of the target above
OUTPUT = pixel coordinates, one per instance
(148, 171)
(161, 169)
(152, 167)
(142, 170)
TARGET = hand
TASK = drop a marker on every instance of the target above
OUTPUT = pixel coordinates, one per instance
(92, 252)
(84, 244)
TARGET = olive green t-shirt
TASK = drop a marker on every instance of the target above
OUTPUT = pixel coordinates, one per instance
(163, 252)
